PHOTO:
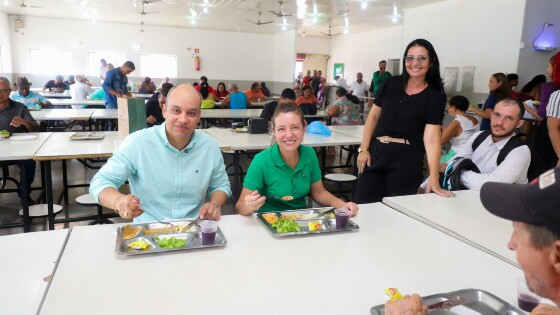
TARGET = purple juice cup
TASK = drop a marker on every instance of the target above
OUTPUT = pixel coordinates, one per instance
(208, 230)
(341, 216)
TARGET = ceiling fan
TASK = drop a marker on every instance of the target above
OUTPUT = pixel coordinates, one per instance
(258, 22)
(280, 13)
(329, 34)
(143, 2)
(23, 5)
(144, 10)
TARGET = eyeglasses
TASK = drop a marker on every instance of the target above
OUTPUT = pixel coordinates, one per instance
(5, 91)
(420, 58)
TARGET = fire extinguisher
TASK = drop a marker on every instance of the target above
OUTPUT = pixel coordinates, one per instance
(196, 62)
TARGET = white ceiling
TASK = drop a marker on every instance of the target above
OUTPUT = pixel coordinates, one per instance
(228, 15)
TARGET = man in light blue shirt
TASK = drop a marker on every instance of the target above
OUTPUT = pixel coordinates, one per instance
(172, 168)
(33, 100)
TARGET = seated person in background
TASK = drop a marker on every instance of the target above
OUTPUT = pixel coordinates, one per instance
(506, 118)
(255, 94)
(174, 170)
(80, 90)
(147, 86)
(154, 107)
(207, 96)
(33, 100)
(287, 96)
(56, 85)
(15, 118)
(307, 102)
(221, 91)
(287, 168)
(203, 79)
(459, 131)
(265, 89)
(98, 94)
(297, 90)
(535, 238)
(235, 99)
(70, 80)
(346, 108)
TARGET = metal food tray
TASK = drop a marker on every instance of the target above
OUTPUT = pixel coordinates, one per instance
(87, 136)
(193, 238)
(328, 225)
(476, 302)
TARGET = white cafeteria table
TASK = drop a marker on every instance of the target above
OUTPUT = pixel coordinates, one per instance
(463, 217)
(28, 261)
(340, 273)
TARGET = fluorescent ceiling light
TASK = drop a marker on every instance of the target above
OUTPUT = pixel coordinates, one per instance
(364, 5)
(346, 22)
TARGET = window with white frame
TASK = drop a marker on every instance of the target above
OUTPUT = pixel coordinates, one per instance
(50, 61)
(158, 66)
(94, 60)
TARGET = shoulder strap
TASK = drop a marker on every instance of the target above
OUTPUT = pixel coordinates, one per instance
(513, 142)
(480, 138)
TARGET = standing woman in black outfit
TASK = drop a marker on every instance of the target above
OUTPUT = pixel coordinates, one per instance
(404, 124)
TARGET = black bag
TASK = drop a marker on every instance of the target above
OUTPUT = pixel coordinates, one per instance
(451, 179)
(258, 125)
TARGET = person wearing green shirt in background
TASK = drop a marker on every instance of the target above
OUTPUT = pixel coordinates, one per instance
(285, 169)
(379, 77)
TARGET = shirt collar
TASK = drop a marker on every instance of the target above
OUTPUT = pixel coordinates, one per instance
(500, 144)
(163, 136)
(278, 161)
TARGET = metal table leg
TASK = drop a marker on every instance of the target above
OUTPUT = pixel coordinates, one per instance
(24, 197)
(236, 184)
(48, 176)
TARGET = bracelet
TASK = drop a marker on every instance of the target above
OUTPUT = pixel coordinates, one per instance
(115, 202)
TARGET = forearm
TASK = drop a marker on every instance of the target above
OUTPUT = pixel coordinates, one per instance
(533, 111)
(219, 198)
(433, 153)
(369, 127)
(31, 125)
(325, 198)
(108, 197)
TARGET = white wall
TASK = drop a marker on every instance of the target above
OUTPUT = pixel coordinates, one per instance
(533, 62)
(313, 45)
(224, 55)
(284, 57)
(5, 43)
(481, 33)
(361, 52)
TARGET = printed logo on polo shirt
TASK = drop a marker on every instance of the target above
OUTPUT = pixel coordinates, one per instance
(547, 179)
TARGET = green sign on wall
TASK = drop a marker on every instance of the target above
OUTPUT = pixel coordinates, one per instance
(338, 70)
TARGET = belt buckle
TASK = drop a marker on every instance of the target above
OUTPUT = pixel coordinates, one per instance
(385, 139)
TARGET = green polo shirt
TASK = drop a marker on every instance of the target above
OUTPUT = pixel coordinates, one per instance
(271, 176)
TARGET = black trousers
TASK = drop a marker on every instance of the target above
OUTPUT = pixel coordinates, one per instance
(396, 170)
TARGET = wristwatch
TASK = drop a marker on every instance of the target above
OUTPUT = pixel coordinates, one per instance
(362, 149)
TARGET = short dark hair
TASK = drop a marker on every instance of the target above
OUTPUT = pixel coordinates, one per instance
(203, 78)
(165, 88)
(288, 94)
(512, 77)
(129, 64)
(383, 61)
(513, 101)
(102, 61)
(460, 102)
(307, 87)
(255, 85)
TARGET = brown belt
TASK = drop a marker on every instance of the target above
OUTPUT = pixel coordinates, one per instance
(387, 139)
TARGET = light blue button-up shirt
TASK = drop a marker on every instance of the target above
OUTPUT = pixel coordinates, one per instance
(31, 100)
(170, 184)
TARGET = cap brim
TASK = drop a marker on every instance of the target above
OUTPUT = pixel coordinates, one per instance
(506, 201)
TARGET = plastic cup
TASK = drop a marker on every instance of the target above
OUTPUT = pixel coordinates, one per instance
(526, 300)
(208, 230)
(341, 216)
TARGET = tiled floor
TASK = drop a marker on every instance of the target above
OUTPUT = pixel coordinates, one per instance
(77, 173)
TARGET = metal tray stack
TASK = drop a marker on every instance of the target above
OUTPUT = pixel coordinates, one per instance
(87, 136)
(147, 232)
(476, 302)
(302, 217)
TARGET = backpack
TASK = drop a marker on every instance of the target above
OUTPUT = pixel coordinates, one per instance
(513, 142)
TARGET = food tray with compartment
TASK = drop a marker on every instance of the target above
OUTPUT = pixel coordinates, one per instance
(474, 302)
(150, 232)
(310, 221)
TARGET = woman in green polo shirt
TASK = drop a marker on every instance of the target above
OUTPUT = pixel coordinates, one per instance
(286, 169)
